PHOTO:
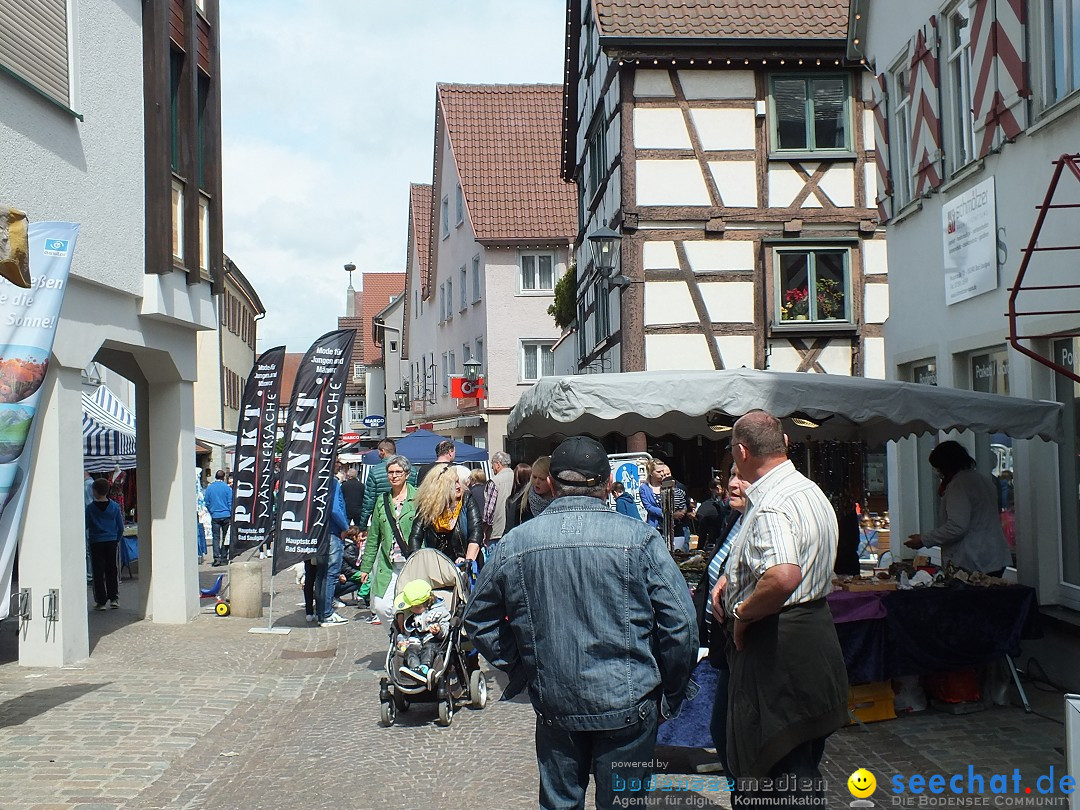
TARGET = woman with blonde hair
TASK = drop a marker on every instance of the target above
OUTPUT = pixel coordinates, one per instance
(533, 498)
(444, 519)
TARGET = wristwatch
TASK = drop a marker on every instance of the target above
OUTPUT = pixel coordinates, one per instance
(735, 611)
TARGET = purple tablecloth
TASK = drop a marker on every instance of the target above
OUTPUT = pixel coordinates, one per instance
(847, 606)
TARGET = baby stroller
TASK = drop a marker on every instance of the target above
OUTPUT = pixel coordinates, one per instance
(456, 677)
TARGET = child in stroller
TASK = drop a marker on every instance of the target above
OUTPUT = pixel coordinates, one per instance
(424, 624)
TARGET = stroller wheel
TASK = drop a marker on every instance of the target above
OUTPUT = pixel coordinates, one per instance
(446, 711)
(222, 609)
(401, 702)
(478, 690)
(388, 713)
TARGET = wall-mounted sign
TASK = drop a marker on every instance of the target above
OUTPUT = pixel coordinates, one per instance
(374, 421)
(969, 228)
(461, 388)
(350, 438)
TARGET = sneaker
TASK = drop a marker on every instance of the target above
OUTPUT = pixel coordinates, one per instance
(99, 606)
(262, 555)
(269, 552)
(333, 619)
(338, 603)
(310, 617)
(430, 679)
(412, 673)
(373, 619)
(115, 603)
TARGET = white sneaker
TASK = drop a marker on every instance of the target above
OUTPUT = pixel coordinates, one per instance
(333, 619)
(269, 552)
(262, 555)
(338, 603)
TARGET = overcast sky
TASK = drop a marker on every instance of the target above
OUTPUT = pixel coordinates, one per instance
(328, 113)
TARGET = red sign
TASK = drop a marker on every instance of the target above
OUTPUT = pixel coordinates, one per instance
(460, 388)
(350, 438)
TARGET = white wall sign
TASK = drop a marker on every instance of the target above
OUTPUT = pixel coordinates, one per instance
(969, 225)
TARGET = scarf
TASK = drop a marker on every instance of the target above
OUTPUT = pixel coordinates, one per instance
(448, 520)
(538, 503)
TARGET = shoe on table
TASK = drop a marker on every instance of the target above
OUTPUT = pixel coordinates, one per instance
(412, 673)
(332, 620)
(114, 603)
(99, 606)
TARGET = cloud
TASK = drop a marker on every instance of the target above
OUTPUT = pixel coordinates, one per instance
(328, 115)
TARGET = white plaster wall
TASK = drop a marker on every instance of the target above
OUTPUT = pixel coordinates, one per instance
(729, 301)
(674, 352)
(724, 128)
(784, 185)
(651, 83)
(875, 257)
(874, 358)
(836, 358)
(871, 183)
(659, 256)
(658, 128)
(207, 387)
(868, 125)
(737, 182)
(711, 83)
(876, 303)
(719, 255)
(838, 183)
(670, 182)
(782, 356)
(91, 172)
(668, 302)
(737, 351)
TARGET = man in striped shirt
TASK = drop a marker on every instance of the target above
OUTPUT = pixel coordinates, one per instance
(788, 688)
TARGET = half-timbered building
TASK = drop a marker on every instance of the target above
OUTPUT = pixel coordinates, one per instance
(730, 144)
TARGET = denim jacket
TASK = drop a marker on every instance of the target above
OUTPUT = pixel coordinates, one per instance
(600, 617)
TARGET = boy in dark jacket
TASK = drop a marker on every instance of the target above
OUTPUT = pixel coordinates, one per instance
(624, 501)
(104, 531)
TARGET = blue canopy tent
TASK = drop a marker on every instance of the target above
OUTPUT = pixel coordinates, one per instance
(419, 448)
(108, 430)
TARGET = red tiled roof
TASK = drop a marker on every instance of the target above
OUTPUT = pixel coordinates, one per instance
(420, 228)
(724, 19)
(377, 291)
(506, 143)
(289, 367)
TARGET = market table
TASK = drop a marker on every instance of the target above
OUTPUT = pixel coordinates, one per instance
(887, 634)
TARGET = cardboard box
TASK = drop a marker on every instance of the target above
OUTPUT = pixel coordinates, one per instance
(872, 702)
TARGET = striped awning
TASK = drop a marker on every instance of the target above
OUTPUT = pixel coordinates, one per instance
(108, 429)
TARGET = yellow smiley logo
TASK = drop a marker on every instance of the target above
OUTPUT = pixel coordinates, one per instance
(861, 783)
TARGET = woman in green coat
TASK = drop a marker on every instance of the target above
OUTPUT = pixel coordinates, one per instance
(387, 540)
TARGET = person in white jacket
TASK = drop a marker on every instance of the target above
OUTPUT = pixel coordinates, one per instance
(971, 537)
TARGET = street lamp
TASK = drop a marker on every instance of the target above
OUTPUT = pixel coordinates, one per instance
(604, 242)
(350, 268)
(472, 370)
(401, 396)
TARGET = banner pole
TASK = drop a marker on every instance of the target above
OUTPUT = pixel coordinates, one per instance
(270, 629)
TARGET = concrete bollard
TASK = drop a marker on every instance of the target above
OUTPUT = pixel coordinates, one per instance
(246, 589)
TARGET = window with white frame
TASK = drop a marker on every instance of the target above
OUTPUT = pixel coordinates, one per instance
(178, 221)
(393, 345)
(959, 119)
(356, 410)
(204, 234)
(449, 299)
(463, 284)
(900, 131)
(459, 205)
(810, 113)
(444, 219)
(476, 279)
(1061, 24)
(358, 371)
(812, 285)
(537, 359)
(537, 272)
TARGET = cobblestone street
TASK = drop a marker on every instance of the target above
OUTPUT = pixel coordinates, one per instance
(207, 715)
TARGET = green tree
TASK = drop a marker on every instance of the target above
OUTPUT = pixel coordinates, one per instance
(564, 309)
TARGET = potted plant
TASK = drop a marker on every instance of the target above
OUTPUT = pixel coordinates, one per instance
(830, 299)
(796, 306)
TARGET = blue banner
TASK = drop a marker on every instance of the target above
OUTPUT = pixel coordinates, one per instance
(27, 330)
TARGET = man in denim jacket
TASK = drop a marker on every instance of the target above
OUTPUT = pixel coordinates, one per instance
(601, 630)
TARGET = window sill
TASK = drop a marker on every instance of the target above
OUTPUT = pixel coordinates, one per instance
(535, 293)
(962, 174)
(475, 301)
(811, 155)
(1055, 112)
(838, 327)
(911, 208)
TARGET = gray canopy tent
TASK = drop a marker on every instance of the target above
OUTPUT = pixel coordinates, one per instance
(704, 403)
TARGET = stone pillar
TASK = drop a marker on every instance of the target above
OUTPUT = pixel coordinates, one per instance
(143, 465)
(637, 443)
(246, 589)
(174, 592)
(53, 541)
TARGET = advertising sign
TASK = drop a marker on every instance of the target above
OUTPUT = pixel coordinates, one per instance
(374, 421)
(969, 228)
(27, 329)
(461, 388)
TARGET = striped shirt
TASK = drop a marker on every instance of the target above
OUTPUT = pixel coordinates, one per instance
(788, 521)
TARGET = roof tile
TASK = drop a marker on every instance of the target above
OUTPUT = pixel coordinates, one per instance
(749, 19)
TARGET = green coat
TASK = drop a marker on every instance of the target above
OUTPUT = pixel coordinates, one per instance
(380, 540)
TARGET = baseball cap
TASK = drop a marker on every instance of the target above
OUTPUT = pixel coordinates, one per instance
(416, 592)
(584, 456)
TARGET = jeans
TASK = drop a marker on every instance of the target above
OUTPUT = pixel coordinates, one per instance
(219, 531)
(103, 560)
(326, 577)
(566, 758)
(311, 573)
